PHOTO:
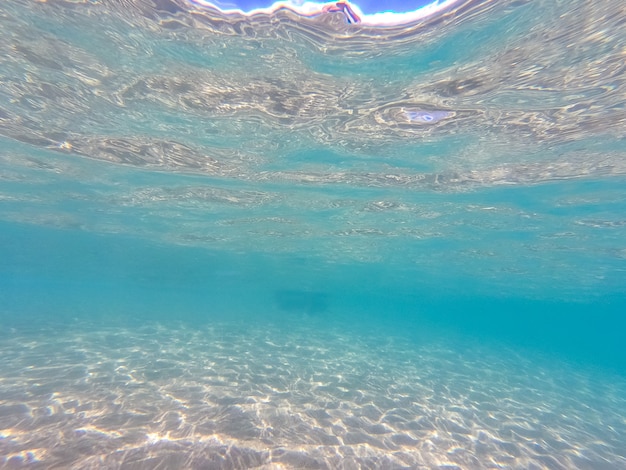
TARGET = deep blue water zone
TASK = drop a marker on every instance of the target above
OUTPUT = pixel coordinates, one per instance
(59, 276)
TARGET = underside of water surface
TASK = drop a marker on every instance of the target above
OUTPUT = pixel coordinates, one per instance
(288, 240)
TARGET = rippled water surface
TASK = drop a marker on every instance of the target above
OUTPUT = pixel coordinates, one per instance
(230, 241)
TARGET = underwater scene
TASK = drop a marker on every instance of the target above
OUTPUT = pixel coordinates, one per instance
(342, 235)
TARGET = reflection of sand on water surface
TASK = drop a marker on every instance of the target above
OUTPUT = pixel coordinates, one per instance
(227, 398)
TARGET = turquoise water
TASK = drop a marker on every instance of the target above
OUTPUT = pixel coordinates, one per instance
(288, 242)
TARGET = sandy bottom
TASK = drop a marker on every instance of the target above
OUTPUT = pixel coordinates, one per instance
(237, 396)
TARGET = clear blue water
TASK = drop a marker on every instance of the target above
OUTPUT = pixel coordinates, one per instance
(285, 242)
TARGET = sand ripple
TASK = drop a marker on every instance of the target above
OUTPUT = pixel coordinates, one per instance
(263, 397)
